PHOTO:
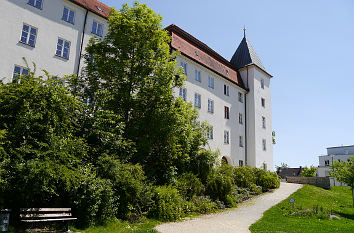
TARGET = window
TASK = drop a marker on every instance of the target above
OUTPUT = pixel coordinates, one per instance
(263, 102)
(240, 163)
(18, 71)
(240, 141)
(29, 35)
(262, 83)
(97, 28)
(197, 100)
(211, 82)
(68, 15)
(63, 48)
(226, 137)
(210, 106)
(183, 93)
(326, 162)
(210, 132)
(227, 112)
(263, 122)
(264, 142)
(226, 90)
(184, 66)
(35, 3)
(240, 97)
(240, 120)
(197, 76)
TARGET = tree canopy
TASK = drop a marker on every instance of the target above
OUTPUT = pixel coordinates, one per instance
(344, 172)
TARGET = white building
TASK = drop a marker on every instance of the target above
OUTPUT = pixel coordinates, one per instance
(340, 153)
(232, 96)
(50, 33)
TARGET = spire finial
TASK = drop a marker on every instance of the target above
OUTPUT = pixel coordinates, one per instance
(244, 31)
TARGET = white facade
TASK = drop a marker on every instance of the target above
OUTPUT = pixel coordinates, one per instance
(341, 153)
(243, 137)
(259, 117)
(50, 27)
(233, 151)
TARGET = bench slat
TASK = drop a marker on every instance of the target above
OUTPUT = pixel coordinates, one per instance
(49, 220)
(51, 215)
(45, 209)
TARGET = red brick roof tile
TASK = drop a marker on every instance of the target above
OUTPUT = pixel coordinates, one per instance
(204, 55)
(94, 6)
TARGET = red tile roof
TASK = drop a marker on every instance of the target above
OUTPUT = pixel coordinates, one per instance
(202, 54)
(94, 6)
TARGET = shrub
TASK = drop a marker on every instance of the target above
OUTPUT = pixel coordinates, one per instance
(134, 195)
(244, 177)
(189, 185)
(168, 204)
(267, 180)
(204, 205)
(219, 185)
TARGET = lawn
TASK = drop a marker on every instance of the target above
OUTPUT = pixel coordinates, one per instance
(338, 200)
(119, 226)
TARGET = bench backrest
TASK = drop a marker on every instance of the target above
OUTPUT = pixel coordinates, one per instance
(39, 213)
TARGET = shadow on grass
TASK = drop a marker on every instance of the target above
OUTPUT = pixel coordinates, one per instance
(346, 215)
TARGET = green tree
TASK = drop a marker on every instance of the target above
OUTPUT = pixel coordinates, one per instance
(309, 172)
(344, 172)
(134, 68)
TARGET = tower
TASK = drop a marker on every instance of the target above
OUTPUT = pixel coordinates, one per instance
(259, 146)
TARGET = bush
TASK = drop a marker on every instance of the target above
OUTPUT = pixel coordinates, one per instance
(309, 172)
(168, 204)
(93, 199)
(219, 185)
(132, 192)
(204, 205)
(189, 186)
(244, 177)
(267, 180)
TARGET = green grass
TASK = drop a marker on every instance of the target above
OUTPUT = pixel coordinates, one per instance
(338, 200)
(119, 226)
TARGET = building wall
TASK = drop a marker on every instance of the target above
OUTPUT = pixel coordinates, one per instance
(256, 156)
(341, 150)
(232, 151)
(324, 168)
(50, 26)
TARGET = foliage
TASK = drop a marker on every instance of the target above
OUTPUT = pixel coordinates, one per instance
(282, 165)
(132, 193)
(309, 172)
(336, 201)
(168, 204)
(267, 180)
(219, 185)
(204, 205)
(189, 186)
(344, 172)
(133, 71)
(244, 177)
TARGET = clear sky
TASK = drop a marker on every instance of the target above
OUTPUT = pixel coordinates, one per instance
(307, 45)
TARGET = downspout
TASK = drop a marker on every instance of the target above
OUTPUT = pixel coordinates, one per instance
(246, 122)
(82, 43)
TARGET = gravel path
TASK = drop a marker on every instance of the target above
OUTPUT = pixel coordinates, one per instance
(235, 220)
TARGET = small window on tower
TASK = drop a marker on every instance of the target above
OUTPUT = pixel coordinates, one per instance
(262, 83)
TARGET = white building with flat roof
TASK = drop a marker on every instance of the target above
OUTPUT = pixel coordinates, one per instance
(339, 153)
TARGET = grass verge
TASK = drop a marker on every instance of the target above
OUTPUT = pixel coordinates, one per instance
(312, 204)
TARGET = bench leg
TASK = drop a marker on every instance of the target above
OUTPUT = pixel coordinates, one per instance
(68, 227)
(31, 227)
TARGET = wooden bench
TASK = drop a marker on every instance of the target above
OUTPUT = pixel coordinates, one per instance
(36, 215)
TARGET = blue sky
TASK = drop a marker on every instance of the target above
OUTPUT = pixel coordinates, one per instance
(307, 45)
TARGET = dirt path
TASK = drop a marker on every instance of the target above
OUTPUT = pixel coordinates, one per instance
(235, 220)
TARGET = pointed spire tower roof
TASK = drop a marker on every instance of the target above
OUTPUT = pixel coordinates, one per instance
(245, 55)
